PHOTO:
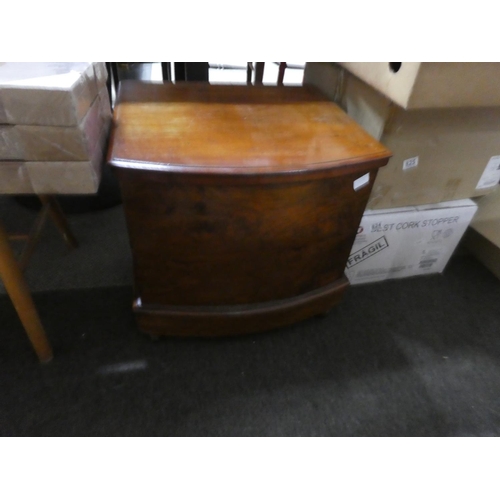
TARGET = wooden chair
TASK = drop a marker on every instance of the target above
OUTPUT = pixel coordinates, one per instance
(114, 76)
(11, 272)
(259, 72)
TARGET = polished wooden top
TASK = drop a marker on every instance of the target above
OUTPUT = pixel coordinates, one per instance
(197, 127)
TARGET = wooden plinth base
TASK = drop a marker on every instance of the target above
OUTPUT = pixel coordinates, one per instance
(236, 320)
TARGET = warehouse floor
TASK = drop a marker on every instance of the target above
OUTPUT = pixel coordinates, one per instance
(414, 357)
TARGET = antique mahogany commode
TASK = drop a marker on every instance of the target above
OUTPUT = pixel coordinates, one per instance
(242, 203)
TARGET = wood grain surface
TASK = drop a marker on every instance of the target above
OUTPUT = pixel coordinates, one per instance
(237, 129)
(242, 203)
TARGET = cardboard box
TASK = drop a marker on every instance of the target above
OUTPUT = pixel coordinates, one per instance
(483, 237)
(105, 104)
(413, 241)
(56, 177)
(47, 143)
(14, 178)
(3, 113)
(416, 85)
(487, 219)
(77, 177)
(56, 94)
(438, 154)
(100, 75)
(10, 143)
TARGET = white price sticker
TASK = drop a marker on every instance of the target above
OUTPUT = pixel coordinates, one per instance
(410, 163)
(491, 174)
(361, 182)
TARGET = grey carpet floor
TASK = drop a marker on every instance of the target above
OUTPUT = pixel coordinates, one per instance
(102, 259)
(414, 357)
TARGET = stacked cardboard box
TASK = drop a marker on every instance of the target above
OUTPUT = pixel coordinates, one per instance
(432, 85)
(440, 120)
(54, 123)
(483, 237)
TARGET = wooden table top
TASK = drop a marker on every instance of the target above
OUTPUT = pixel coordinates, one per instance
(197, 127)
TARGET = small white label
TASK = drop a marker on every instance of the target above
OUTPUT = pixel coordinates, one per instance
(491, 174)
(410, 163)
(429, 258)
(361, 182)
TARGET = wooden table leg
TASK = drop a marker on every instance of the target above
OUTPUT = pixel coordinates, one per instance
(18, 291)
(166, 72)
(249, 73)
(33, 237)
(259, 73)
(59, 219)
(281, 72)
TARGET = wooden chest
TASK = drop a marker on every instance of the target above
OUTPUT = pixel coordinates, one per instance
(242, 203)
